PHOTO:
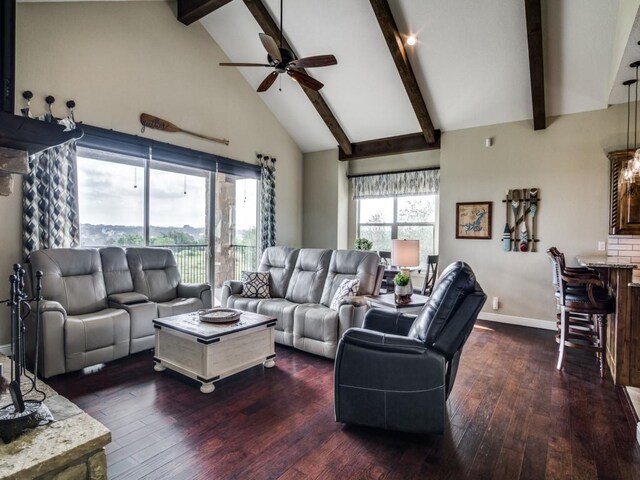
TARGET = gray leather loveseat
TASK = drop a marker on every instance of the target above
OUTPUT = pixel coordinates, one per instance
(100, 303)
(302, 284)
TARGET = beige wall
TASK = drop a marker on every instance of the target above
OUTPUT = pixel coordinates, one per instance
(567, 162)
(117, 60)
(325, 200)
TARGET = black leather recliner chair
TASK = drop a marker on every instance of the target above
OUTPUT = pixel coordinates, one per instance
(398, 370)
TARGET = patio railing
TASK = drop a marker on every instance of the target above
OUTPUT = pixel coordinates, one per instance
(191, 260)
(245, 259)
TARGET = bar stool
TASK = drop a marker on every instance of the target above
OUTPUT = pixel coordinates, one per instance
(579, 325)
(584, 305)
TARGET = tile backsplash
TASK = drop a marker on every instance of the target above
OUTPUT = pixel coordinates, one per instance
(625, 248)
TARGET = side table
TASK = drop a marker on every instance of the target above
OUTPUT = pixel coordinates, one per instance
(387, 301)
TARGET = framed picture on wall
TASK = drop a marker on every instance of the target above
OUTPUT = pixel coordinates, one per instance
(473, 220)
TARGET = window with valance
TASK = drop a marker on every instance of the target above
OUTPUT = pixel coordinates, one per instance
(398, 205)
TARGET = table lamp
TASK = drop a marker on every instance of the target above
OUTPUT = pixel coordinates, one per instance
(404, 255)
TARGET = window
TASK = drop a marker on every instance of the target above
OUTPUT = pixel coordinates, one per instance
(110, 199)
(207, 216)
(407, 217)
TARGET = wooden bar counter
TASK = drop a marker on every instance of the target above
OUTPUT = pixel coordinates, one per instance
(623, 332)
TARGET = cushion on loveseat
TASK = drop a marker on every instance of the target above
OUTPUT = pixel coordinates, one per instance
(315, 329)
(279, 262)
(309, 275)
(72, 277)
(97, 337)
(349, 264)
(115, 268)
(154, 272)
(283, 310)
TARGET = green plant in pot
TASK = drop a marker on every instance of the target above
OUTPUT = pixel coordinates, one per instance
(363, 244)
(403, 287)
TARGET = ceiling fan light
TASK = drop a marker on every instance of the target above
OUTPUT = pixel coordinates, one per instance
(411, 40)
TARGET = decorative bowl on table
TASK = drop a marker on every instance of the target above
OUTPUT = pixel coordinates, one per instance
(219, 315)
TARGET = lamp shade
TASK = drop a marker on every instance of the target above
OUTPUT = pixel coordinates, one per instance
(405, 253)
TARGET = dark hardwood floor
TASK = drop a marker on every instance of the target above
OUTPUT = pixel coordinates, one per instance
(511, 416)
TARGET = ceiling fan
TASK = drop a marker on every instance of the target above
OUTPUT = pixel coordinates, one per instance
(284, 61)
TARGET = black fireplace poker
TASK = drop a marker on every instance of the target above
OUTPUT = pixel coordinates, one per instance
(21, 414)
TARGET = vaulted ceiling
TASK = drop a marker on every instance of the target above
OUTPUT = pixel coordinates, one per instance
(471, 61)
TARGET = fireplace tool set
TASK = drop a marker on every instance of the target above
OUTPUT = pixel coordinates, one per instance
(22, 414)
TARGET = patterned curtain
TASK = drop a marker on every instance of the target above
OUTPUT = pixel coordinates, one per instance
(420, 182)
(50, 198)
(267, 200)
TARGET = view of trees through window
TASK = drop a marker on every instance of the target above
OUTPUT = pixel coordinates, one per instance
(411, 217)
(111, 197)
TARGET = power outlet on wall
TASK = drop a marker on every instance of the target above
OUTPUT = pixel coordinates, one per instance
(496, 303)
(602, 245)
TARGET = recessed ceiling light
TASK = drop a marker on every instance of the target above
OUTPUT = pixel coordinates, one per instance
(411, 40)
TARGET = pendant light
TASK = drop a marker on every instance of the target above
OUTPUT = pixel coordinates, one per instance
(636, 155)
(627, 172)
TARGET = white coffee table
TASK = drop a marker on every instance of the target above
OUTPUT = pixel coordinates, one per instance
(208, 352)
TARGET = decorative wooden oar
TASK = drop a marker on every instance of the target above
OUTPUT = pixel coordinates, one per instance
(515, 206)
(157, 123)
(524, 235)
(506, 234)
(533, 199)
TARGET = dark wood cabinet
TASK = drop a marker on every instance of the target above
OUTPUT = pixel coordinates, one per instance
(624, 215)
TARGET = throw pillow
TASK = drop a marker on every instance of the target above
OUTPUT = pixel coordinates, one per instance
(255, 284)
(347, 288)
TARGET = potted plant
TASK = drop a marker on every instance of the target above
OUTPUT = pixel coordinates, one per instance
(363, 244)
(403, 287)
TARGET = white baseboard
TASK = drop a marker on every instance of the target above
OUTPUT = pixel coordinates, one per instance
(5, 349)
(522, 321)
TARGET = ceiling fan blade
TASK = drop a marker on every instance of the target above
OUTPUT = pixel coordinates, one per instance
(244, 64)
(271, 46)
(267, 82)
(317, 61)
(305, 80)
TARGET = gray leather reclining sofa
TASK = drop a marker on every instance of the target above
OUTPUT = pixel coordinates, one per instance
(100, 303)
(302, 284)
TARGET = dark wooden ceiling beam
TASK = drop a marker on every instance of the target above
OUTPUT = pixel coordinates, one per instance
(269, 26)
(412, 142)
(396, 47)
(533, 15)
(190, 11)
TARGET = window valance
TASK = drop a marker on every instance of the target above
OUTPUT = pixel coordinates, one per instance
(414, 182)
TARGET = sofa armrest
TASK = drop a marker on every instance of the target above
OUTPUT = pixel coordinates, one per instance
(350, 315)
(127, 298)
(192, 290)
(196, 290)
(373, 360)
(230, 287)
(387, 321)
(356, 301)
(51, 306)
(53, 316)
(384, 342)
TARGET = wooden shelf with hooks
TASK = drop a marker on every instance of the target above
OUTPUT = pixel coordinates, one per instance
(31, 135)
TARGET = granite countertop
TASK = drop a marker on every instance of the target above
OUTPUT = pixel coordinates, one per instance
(44, 449)
(603, 262)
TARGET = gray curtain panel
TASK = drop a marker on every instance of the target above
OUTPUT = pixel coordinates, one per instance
(50, 199)
(267, 201)
(421, 182)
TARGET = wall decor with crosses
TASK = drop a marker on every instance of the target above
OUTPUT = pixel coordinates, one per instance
(521, 208)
